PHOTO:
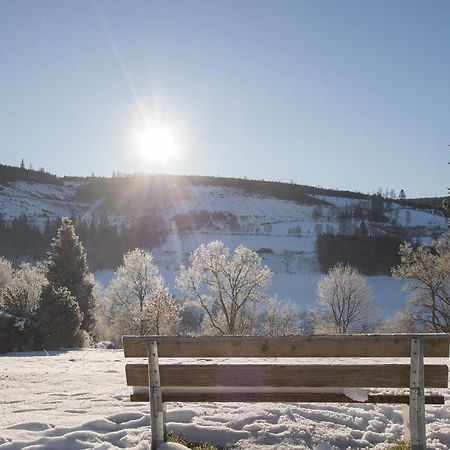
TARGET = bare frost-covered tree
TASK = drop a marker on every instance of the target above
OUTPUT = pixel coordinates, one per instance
(6, 273)
(21, 299)
(228, 288)
(427, 271)
(23, 292)
(403, 321)
(282, 318)
(346, 301)
(162, 314)
(136, 289)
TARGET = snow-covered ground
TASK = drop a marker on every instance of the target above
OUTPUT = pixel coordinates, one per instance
(79, 399)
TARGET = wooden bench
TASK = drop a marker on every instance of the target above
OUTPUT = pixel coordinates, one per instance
(296, 379)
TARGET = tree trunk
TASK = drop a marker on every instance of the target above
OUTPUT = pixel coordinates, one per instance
(141, 309)
(433, 312)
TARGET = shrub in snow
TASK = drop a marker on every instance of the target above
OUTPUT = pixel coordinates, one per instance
(58, 319)
(228, 289)
(7, 332)
(295, 231)
(106, 345)
(105, 329)
(83, 339)
(16, 333)
(404, 321)
(265, 250)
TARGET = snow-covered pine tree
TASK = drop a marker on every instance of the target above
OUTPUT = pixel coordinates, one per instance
(67, 268)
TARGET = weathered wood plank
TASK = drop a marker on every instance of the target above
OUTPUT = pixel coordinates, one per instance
(435, 345)
(294, 375)
(281, 397)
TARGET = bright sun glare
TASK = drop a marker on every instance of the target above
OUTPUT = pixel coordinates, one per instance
(158, 142)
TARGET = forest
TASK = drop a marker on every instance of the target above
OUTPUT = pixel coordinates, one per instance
(371, 255)
(105, 243)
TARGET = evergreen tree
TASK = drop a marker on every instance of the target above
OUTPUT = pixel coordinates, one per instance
(67, 268)
(58, 319)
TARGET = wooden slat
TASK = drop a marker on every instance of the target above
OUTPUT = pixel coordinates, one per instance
(281, 397)
(435, 345)
(274, 375)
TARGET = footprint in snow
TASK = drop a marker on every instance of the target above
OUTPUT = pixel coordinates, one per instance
(32, 426)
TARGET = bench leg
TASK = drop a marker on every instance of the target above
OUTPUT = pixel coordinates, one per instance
(417, 397)
(157, 415)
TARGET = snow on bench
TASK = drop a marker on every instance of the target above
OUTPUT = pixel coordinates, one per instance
(331, 369)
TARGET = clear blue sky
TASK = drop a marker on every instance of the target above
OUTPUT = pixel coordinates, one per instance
(347, 94)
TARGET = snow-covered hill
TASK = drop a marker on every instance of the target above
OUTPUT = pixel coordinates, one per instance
(283, 232)
(39, 201)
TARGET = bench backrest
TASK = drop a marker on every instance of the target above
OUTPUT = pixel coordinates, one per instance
(294, 374)
(348, 346)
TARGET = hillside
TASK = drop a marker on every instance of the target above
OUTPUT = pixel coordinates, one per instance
(299, 231)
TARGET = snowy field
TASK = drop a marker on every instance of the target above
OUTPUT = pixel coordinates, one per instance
(79, 400)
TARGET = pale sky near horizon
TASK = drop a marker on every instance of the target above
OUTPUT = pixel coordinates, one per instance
(344, 94)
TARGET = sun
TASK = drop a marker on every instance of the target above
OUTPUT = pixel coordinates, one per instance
(157, 142)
